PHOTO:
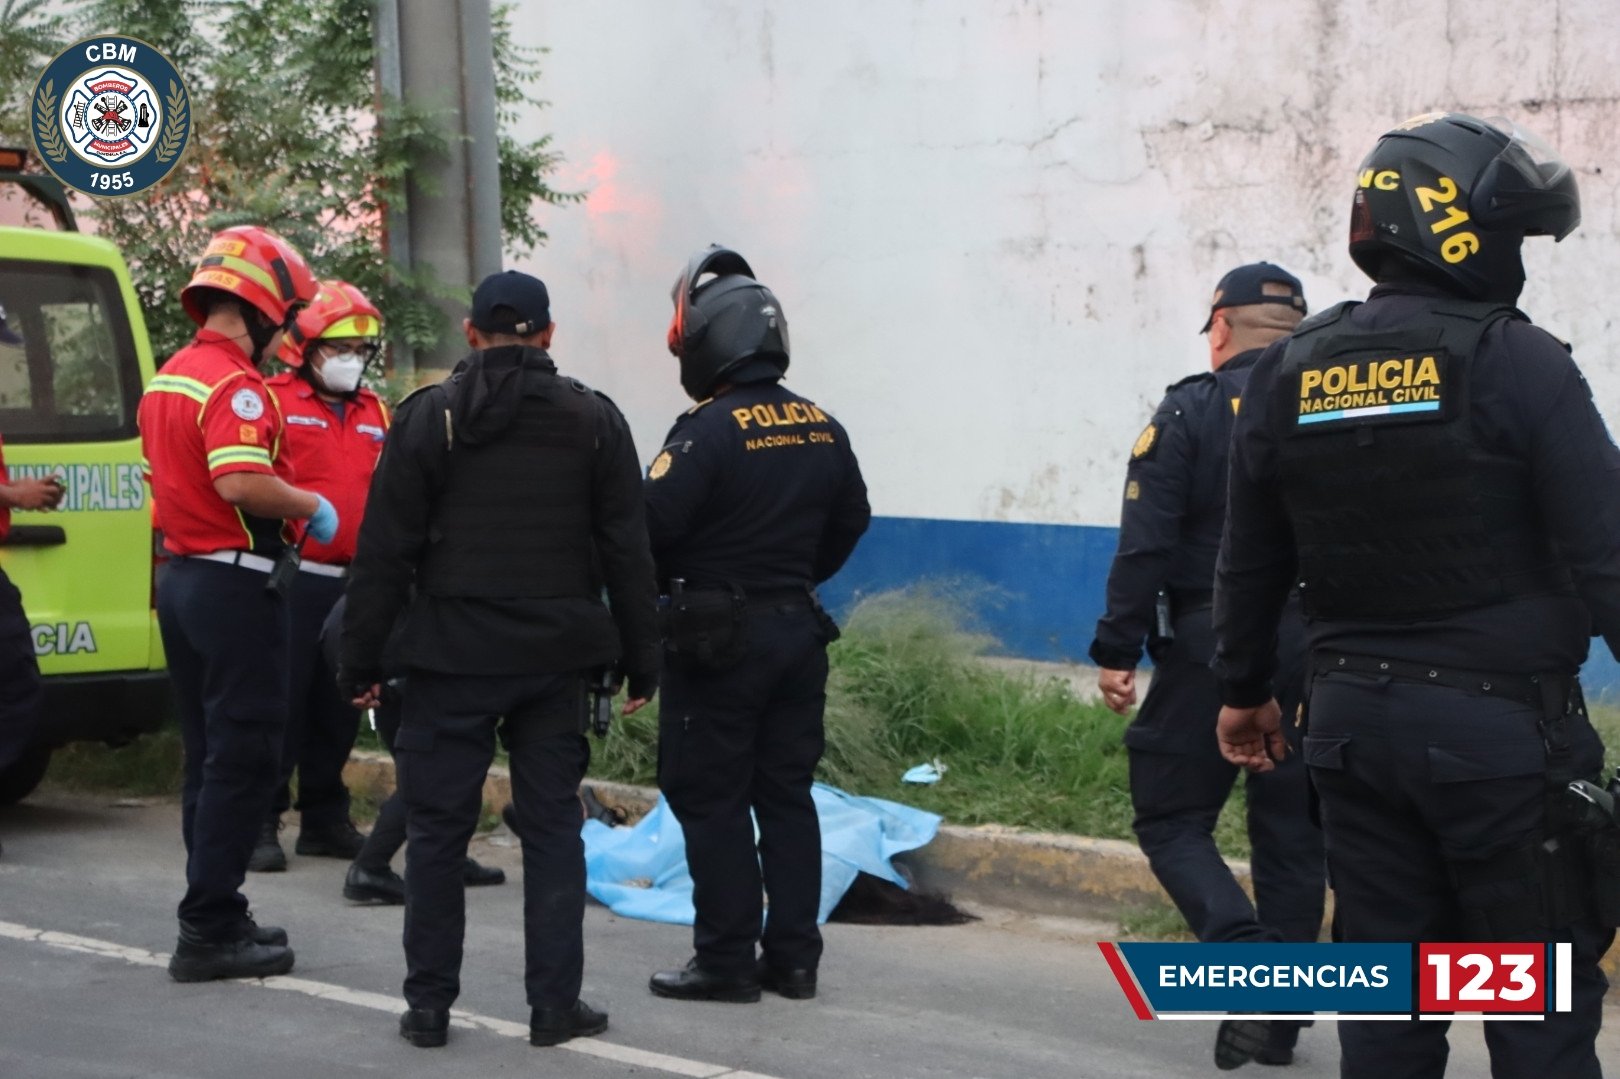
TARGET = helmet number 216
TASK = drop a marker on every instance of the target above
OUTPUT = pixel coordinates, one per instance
(1434, 201)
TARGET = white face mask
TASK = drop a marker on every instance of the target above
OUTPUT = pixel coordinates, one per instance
(341, 373)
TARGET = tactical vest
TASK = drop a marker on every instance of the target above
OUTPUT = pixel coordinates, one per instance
(513, 516)
(1399, 511)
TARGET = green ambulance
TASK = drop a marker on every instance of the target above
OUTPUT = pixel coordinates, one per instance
(68, 396)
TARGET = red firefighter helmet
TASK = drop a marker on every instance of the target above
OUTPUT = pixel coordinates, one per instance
(339, 310)
(255, 265)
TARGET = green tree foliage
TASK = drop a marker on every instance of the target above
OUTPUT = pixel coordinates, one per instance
(288, 131)
(31, 32)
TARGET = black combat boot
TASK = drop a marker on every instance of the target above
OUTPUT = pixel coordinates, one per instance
(262, 934)
(425, 1028)
(693, 982)
(553, 1026)
(340, 839)
(474, 875)
(1238, 1041)
(797, 983)
(268, 857)
(382, 886)
(199, 960)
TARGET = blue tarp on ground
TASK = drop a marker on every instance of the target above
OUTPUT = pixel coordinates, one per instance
(640, 872)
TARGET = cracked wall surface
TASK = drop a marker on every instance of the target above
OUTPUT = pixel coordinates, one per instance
(994, 226)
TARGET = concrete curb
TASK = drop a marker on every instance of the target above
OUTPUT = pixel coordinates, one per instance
(1029, 872)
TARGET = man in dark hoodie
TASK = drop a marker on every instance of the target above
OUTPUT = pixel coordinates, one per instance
(508, 497)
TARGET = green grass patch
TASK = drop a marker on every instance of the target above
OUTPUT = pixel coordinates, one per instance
(906, 687)
(1153, 921)
(149, 766)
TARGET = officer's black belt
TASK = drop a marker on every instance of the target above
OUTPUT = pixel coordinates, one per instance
(779, 597)
(1525, 688)
(763, 597)
(1185, 600)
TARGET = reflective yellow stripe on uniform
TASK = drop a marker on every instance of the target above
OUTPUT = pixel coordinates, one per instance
(185, 387)
(235, 455)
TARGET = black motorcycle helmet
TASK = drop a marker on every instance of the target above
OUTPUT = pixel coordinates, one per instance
(725, 322)
(1453, 197)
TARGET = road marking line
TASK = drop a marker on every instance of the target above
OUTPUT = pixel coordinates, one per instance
(591, 1047)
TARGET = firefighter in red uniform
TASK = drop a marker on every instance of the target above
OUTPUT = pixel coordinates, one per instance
(333, 436)
(211, 433)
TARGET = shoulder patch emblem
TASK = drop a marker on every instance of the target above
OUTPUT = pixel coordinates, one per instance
(660, 466)
(1144, 442)
(246, 404)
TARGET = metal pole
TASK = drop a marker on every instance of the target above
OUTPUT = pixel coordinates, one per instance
(483, 149)
(447, 65)
(397, 227)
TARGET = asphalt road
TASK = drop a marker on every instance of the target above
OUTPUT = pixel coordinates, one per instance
(87, 894)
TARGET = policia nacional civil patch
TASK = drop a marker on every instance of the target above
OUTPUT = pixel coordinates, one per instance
(1145, 442)
(660, 466)
(1372, 387)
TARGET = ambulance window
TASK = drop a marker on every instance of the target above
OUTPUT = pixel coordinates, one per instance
(73, 376)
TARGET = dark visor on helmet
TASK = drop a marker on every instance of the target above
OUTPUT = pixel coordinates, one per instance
(1527, 186)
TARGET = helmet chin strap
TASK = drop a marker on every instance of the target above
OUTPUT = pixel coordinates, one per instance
(259, 331)
(258, 337)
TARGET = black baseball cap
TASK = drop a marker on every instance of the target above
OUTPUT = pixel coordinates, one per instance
(8, 335)
(512, 302)
(1247, 285)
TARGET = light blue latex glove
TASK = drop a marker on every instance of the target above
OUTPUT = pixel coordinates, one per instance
(323, 523)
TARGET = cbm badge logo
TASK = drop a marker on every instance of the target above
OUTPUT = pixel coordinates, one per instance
(111, 116)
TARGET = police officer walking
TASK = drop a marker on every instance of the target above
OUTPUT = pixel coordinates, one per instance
(1431, 470)
(755, 498)
(506, 499)
(1161, 591)
(334, 434)
(211, 433)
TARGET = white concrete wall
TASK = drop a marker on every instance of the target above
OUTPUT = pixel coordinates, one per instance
(995, 224)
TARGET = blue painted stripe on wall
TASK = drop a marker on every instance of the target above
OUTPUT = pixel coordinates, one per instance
(1045, 582)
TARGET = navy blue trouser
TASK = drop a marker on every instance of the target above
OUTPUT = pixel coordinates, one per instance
(442, 753)
(387, 833)
(226, 642)
(1431, 799)
(1180, 783)
(750, 737)
(321, 725)
(20, 690)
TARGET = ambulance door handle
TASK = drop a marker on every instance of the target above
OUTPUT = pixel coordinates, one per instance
(36, 536)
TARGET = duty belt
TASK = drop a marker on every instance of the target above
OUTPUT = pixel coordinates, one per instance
(1525, 688)
(245, 559)
(760, 597)
(778, 597)
(323, 569)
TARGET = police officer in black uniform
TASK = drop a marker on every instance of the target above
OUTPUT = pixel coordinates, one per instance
(508, 497)
(755, 498)
(1161, 590)
(22, 692)
(1431, 471)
